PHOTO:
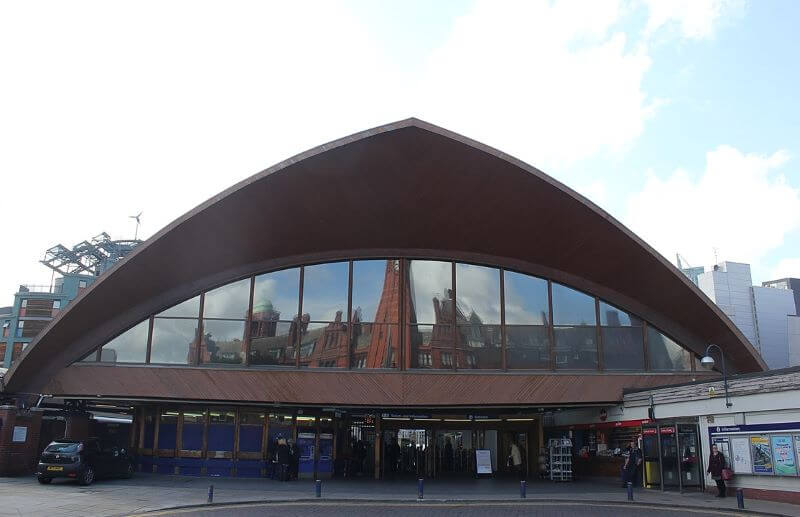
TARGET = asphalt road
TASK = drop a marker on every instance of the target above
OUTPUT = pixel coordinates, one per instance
(536, 509)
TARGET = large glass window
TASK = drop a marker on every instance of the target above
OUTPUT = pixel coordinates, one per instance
(525, 299)
(273, 328)
(576, 347)
(229, 301)
(222, 342)
(128, 347)
(375, 345)
(376, 291)
(528, 347)
(325, 291)
(479, 346)
(173, 341)
(623, 341)
(187, 309)
(571, 307)
(431, 284)
(479, 340)
(665, 354)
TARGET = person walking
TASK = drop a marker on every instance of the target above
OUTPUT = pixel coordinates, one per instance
(630, 469)
(283, 459)
(716, 463)
(516, 459)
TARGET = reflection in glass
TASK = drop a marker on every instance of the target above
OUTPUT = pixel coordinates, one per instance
(528, 347)
(623, 348)
(431, 291)
(186, 309)
(228, 301)
(128, 347)
(479, 346)
(324, 345)
(431, 346)
(173, 341)
(610, 316)
(375, 345)
(571, 307)
(576, 347)
(525, 299)
(376, 290)
(272, 343)
(665, 354)
(222, 342)
(325, 291)
(275, 295)
(478, 293)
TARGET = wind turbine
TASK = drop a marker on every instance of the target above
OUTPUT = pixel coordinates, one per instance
(137, 216)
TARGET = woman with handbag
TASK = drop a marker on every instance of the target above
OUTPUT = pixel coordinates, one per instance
(716, 466)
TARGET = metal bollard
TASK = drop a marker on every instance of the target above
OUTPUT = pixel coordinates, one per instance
(740, 498)
(420, 489)
(319, 488)
(210, 494)
(630, 491)
(522, 488)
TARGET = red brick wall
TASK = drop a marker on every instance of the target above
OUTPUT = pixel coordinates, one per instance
(20, 457)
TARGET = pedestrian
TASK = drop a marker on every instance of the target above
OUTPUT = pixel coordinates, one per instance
(516, 459)
(283, 459)
(294, 460)
(716, 463)
(630, 470)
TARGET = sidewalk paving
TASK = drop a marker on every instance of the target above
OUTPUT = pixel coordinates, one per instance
(148, 492)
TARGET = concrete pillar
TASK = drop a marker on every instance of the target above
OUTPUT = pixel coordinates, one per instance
(77, 425)
(19, 440)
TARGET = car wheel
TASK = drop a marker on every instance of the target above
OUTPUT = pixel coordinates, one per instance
(129, 471)
(87, 477)
(44, 480)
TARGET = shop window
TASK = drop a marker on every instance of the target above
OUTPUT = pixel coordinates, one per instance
(230, 301)
(528, 347)
(571, 307)
(128, 347)
(666, 354)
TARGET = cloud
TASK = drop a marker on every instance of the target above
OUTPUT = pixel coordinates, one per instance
(694, 19)
(738, 204)
(786, 268)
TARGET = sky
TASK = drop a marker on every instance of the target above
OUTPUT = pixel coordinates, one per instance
(680, 118)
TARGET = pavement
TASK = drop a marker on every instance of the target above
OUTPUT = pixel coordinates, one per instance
(151, 492)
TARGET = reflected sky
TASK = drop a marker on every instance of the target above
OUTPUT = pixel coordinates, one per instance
(325, 291)
(279, 291)
(613, 317)
(130, 346)
(571, 307)
(429, 279)
(478, 291)
(172, 340)
(368, 284)
(228, 301)
(189, 308)
(526, 299)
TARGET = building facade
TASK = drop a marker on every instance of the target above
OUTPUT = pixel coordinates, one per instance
(383, 306)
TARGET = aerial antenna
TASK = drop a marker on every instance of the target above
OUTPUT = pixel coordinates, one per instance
(137, 216)
(716, 253)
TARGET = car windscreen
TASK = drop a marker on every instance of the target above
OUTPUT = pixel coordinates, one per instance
(67, 448)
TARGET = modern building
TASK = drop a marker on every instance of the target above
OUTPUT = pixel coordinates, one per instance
(36, 305)
(792, 284)
(401, 282)
(728, 284)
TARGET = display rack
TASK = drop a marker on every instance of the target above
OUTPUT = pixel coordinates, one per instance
(560, 467)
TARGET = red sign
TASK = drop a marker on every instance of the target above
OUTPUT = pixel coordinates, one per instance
(667, 430)
(649, 431)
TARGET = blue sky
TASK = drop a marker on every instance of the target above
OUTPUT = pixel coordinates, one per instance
(680, 118)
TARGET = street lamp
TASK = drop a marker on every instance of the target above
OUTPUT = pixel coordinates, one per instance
(708, 362)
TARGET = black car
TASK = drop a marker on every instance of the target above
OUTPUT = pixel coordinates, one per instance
(84, 460)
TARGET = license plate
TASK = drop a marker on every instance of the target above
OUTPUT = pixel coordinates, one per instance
(55, 468)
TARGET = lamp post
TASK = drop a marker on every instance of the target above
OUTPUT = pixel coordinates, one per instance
(708, 362)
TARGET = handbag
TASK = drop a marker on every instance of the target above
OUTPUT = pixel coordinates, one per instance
(726, 474)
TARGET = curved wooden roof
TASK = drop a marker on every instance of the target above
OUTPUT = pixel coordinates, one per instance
(404, 189)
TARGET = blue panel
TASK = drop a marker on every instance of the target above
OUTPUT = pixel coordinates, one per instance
(149, 434)
(305, 445)
(147, 463)
(325, 463)
(165, 465)
(249, 468)
(219, 467)
(167, 436)
(250, 438)
(220, 437)
(192, 437)
(189, 466)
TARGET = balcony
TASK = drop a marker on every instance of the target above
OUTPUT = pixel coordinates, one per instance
(31, 288)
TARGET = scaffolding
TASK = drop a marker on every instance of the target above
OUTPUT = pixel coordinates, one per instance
(88, 257)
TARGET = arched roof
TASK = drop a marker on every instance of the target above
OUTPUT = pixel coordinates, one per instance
(403, 189)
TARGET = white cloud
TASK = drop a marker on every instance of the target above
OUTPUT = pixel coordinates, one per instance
(695, 19)
(739, 205)
(786, 268)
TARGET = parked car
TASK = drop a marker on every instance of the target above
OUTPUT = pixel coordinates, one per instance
(83, 460)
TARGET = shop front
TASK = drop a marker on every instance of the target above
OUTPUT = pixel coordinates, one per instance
(672, 455)
(600, 448)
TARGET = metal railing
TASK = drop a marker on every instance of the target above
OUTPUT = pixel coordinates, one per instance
(32, 288)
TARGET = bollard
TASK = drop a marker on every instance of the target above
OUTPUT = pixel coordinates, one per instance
(210, 494)
(420, 489)
(319, 488)
(740, 498)
(522, 487)
(630, 491)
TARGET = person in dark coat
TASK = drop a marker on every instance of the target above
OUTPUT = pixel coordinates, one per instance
(294, 460)
(283, 459)
(716, 462)
(630, 469)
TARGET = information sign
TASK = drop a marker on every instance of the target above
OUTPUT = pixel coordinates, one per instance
(20, 434)
(762, 454)
(483, 461)
(783, 455)
(741, 455)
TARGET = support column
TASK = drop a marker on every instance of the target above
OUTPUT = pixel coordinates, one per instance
(378, 445)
